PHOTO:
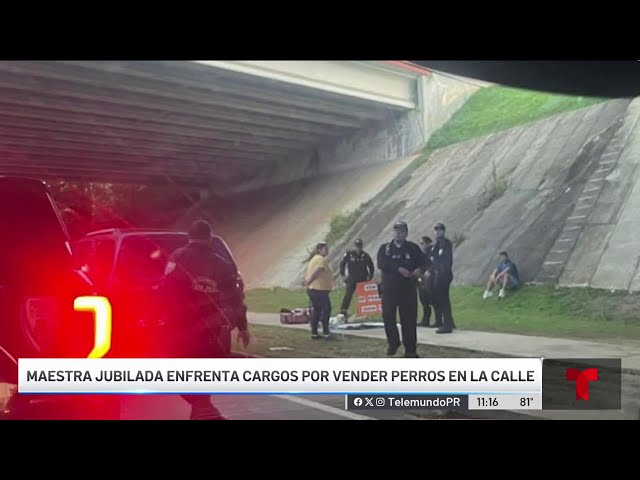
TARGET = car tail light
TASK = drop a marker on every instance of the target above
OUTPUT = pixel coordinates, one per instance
(102, 315)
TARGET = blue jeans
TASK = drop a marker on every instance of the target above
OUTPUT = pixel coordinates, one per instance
(321, 304)
(512, 282)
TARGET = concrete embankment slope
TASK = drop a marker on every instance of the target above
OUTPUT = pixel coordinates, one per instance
(272, 232)
(567, 204)
(607, 216)
(271, 221)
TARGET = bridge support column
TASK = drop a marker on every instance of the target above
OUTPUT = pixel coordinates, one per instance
(422, 104)
(439, 97)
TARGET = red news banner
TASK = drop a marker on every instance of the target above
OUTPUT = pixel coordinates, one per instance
(369, 302)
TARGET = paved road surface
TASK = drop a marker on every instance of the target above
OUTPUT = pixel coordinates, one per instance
(239, 407)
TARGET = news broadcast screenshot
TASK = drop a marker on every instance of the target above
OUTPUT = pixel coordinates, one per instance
(319, 240)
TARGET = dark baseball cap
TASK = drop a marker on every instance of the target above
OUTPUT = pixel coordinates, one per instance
(439, 226)
(401, 226)
(358, 242)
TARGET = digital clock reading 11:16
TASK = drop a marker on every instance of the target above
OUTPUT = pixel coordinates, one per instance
(487, 402)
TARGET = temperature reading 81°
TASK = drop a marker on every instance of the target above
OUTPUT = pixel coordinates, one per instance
(526, 401)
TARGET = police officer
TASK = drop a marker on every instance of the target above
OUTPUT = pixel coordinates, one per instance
(424, 284)
(195, 279)
(401, 263)
(360, 268)
(441, 277)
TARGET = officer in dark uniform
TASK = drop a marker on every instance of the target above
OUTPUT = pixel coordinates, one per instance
(401, 263)
(424, 283)
(441, 278)
(359, 266)
(196, 280)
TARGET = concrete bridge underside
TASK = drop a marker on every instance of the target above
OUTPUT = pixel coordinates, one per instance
(209, 123)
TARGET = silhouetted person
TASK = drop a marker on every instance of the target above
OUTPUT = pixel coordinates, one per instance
(356, 266)
(424, 286)
(441, 278)
(195, 277)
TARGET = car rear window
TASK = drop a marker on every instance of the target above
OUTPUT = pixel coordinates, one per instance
(142, 259)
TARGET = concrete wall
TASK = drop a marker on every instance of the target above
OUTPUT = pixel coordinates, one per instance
(442, 97)
(273, 219)
(272, 231)
(368, 80)
(573, 186)
(546, 166)
(439, 98)
(607, 250)
(398, 136)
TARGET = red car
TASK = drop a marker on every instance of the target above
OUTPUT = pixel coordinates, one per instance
(40, 292)
(39, 282)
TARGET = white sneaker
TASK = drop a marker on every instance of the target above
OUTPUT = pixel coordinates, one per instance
(487, 294)
(501, 294)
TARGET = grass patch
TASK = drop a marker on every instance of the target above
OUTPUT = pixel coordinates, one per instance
(271, 300)
(342, 222)
(339, 226)
(533, 310)
(352, 346)
(538, 310)
(498, 108)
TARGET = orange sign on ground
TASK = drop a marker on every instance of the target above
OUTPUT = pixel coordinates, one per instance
(368, 300)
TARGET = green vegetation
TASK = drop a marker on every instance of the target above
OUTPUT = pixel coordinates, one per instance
(487, 111)
(299, 344)
(339, 225)
(271, 300)
(533, 310)
(498, 108)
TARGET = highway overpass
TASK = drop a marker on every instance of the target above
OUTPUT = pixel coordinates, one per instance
(216, 124)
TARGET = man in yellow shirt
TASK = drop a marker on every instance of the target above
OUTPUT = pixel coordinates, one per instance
(319, 283)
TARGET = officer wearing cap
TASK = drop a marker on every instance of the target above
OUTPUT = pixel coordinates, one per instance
(195, 280)
(401, 262)
(356, 266)
(441, 277)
